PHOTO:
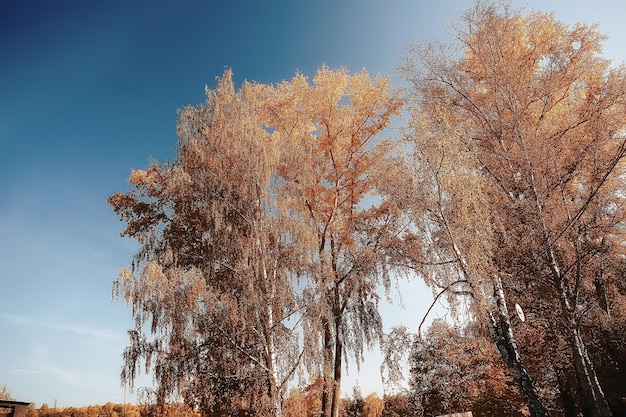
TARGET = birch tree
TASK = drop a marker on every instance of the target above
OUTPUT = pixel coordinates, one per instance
(447, 201)
(333, 150)
(532, 114)
(268, 217)
(210, 288)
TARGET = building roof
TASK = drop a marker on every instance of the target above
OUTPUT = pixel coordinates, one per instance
(11, 403)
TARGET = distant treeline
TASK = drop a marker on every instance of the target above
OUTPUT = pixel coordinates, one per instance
(299, 403)
(110, 410)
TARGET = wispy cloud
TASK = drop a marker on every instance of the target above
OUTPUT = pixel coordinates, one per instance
(42, 366)
(22, 371)
(67, 326)
(40, 362)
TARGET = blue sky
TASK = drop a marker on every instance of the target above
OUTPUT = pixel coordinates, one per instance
(90, 90)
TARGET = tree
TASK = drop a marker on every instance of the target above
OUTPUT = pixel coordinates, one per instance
(534, 115)
(210, 287)
(373, 405)
(355, 406)
(443, 194)
(31, 411)
(4, 393)
(456, 369)
(304, 401)
(273, 190)
(397, 406)
(333, 154)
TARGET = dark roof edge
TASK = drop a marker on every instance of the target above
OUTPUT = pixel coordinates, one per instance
(11, 403)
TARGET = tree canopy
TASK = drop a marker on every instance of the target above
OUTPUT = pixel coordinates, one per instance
(264, 245)
(519, 146)
(259, 256)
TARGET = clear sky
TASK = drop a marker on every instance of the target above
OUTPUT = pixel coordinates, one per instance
(90, 89)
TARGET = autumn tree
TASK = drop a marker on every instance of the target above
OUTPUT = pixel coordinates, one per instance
(397, 405)
(358, 406)
(450, 242)
(304, 401)
(331, 158)
(210, 288)
(528, 117)
(456, 369)
(31, 411)
(273, 190)
(4, 393)
(354, 406)
(373, 405)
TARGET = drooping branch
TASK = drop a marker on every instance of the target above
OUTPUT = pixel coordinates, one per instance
(432, 305)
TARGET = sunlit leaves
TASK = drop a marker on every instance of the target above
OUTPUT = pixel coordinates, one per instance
(331, 151)
(4, 393)
(519, 147)
(266, 196)
(209, 286)
(457, 369)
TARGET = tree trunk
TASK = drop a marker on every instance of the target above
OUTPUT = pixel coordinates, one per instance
(593, 398)
(268, 289)
(273, 388)
(601, 293)
(507, 346)
(567, 396)
(337, 365)
(594, 401)
(274, 396)
(327, 388)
